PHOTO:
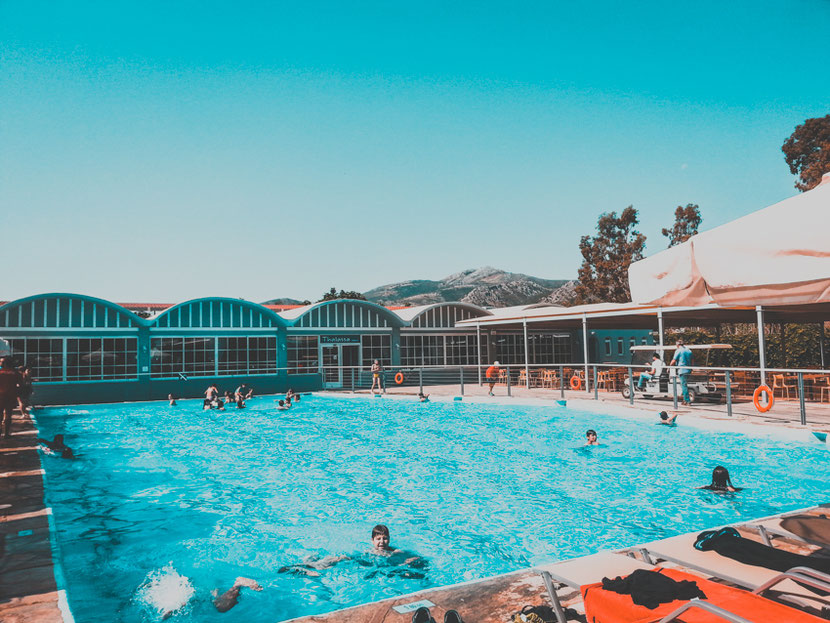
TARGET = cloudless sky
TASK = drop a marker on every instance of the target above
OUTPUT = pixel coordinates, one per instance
(160, 151)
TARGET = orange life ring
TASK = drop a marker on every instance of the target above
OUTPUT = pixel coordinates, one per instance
(756, 398)
(399, 378)
(576, 382)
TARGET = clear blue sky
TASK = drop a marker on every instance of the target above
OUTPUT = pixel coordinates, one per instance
(166, 150)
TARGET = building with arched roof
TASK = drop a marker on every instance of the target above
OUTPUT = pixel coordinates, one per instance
(83, 349)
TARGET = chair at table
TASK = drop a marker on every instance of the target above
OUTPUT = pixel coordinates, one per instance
(549, 379)
(779, 384)
(606, 381)
(502, 377)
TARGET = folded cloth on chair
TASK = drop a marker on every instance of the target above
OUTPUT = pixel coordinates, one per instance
(728, 542)
(650, 589)
(602, 606)
(810, 527)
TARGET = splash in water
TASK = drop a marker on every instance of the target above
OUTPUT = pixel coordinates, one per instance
(165, 592)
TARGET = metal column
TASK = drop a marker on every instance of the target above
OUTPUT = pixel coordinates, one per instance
(478, 350)
(762, 361)
(527, 367)
(585, 348)
(660, 330)
(821, 343)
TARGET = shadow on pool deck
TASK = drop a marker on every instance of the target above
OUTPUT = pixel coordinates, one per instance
(28, 591)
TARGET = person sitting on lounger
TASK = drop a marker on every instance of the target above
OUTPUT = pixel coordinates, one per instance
(721, 481)
(666, 419)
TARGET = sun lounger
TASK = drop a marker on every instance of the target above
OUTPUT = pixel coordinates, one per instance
(804, 526)
(722, 602)
(586, 570)
(680, 550)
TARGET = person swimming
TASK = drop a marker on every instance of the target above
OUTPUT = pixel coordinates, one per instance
(423, 397)
(591, 437)
(281, 405)
(57, 446)
(230, 597)
(721, 481)
(395, 562)
(666, 419)
(172, 400)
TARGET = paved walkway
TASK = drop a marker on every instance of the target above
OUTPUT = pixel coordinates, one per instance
(785, 412)
(28, 592)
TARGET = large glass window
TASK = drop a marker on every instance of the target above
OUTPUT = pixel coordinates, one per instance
(303, 354)
(542, 348)
(377, 347)
(101, 359)
(247, 355)
(191, 356)
(43, 355)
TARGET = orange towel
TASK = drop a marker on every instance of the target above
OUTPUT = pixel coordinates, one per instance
(603, 606)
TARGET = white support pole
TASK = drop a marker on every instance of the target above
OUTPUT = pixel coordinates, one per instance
(527, 367)
(585, 348)
(761, 356)
(478, 350)
(821, 343)
(660, 330)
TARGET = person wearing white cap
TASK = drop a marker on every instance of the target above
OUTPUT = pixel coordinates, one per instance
(492, 375)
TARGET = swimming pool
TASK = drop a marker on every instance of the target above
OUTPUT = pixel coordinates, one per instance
(476, 489)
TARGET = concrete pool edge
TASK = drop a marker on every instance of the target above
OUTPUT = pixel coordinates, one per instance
(34, 589)
(778, 431)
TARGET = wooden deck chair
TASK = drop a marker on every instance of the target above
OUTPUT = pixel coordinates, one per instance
(680, 550)
(722, 603)
(578, 572)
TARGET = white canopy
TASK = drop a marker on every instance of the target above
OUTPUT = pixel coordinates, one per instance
(777, 256)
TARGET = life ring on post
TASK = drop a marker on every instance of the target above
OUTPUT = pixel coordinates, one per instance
(756, 398)
(399, 378)
(576, 382)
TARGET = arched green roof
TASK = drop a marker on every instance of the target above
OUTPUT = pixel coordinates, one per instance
(70, 311)
(343, 313)
(440, 315)
(217, 313)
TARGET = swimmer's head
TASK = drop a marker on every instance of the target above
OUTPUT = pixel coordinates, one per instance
(281, 403)
(380, 536)
(297, 398)
(664, 415)
(720, 478)
(591, 434)
(59, 439)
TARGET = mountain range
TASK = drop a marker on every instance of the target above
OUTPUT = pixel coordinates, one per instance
(485, 287)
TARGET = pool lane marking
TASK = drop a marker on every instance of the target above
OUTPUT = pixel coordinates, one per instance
(57, 569)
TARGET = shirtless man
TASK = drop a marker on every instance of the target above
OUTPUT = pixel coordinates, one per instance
(376, 372)
(10, 383)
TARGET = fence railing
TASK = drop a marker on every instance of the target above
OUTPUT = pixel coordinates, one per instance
(784, 394)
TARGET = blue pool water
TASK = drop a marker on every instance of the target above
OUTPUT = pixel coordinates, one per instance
(164, 502)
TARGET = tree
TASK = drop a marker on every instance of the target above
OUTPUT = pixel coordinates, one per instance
(603, 276)
(807, 151)
(333, 295)
(686, 222)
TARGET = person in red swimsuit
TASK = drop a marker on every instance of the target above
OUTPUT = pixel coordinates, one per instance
(10, 383)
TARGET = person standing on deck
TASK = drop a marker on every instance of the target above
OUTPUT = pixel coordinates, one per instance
(10, 384)
(492, 375)
(377, 370)
(683, 359)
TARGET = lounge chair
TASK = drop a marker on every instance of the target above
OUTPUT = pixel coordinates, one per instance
(680, 550)
(586, 570)
(722, 603)
(800, 527)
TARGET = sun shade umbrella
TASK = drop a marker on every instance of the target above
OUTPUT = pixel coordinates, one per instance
(776, 256)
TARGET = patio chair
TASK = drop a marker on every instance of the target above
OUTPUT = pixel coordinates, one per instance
(549, 379)
(801, 527)
(721, 603)
(779, 384)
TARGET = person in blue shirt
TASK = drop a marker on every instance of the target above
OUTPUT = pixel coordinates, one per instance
(683, 360)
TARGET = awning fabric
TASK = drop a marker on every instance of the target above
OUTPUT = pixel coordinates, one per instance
(776, 256)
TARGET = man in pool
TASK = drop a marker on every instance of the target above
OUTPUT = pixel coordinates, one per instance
(381, 549)
(57, 446)
(230, 597)
(666, 419)
(591, 438)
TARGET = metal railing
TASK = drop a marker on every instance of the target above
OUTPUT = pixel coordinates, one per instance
(794, 394)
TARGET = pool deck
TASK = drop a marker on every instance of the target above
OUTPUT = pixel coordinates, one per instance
(496, 599)
(784, 413)
(28, 591)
